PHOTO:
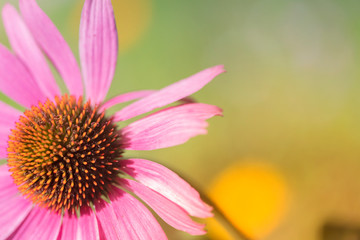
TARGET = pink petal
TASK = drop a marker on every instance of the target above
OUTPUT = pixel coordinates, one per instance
(127, 218)
(25, 47)
(98, 47)
(169, 94)
(16, 81)
(13, 208)
(170, 212)
(167, 183)
(125, 98)
(53, 44)
(69, 227)
(9, 115)
(108, 221)
(40, 224)
(7, 186)
(88, 226)
(3, 144)
(132, 96)
(169, 127)
(3, 152)
(8, 118)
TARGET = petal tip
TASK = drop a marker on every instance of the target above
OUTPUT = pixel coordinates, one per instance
(219, 112)
(7, 10)
(6, 6)
(219, 69)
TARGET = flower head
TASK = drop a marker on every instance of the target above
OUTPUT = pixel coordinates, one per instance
(65, 176)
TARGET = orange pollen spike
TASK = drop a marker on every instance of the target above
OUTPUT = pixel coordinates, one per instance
(56, 147)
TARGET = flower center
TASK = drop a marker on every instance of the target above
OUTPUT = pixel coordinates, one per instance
(64, 155)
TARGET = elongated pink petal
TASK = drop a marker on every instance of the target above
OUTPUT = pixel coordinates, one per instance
(50, 40)
(127, 218)
(69, 229)
(132, 96)
(28, 51)
(170, 212)
(13, 208)
(40, 224)
(125, 98)
(98, 47)
(88, 226)
(169, 94)
(169, 127)
(13, 211)
(108, 222)
(16, 81)
(168, 184)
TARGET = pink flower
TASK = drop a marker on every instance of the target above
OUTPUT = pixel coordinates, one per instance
(65, 155)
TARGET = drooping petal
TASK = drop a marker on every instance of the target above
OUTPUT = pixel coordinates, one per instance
(170, 212)
(125, 98)
(169, 94)
(169, 127)
(16, 81)
(108, 222)
(168, 184)
(69, 229)
(50, 40)
(13, 208)
(28, 51)
(98, 47)
(88, 226)
(127, 218)
(40, 224)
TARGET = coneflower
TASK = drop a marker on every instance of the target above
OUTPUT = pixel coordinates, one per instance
(66, 177)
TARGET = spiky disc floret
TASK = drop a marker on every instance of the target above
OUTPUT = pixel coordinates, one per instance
(64, 155)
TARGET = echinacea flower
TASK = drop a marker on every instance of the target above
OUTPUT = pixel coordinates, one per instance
(65, 176)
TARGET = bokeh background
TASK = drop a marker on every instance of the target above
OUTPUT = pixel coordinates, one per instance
(284, 161)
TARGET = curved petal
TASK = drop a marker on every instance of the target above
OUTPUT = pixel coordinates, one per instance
(98, 47)
(170, 212)
(28, 51)
(16, 81)
(40, 224)
(127, 218)
(88, 226)
(167, 183)
(125, 98)
(169, 94)
(53, 44)
(13, 208)
(69, 228)
(169, 127)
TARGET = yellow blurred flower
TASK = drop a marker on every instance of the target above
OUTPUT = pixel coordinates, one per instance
(132, 19)
(253, 196)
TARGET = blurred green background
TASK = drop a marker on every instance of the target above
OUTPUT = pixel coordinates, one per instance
(291, 98)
